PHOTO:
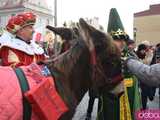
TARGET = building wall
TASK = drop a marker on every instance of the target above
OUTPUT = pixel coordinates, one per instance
(42, 20)
(6, 14)
(38, 7)
(147, 28)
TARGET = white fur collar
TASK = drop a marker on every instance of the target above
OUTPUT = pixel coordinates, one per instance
(9, 40)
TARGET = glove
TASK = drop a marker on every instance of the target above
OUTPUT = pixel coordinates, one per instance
(133, 55)
(130, 55)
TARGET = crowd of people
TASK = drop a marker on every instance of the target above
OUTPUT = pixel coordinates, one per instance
(148, 55)
(18, 49)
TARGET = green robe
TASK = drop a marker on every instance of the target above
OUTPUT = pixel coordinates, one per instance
(109, 104)
(122, 107)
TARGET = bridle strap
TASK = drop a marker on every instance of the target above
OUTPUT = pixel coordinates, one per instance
(93, 57)
(98, 68)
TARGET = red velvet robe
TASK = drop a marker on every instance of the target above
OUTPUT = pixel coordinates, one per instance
(16, 52)
(15, 58)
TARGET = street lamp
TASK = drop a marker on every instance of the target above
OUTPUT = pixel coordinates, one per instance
(55, 13)
(135, 33)
(56, 44)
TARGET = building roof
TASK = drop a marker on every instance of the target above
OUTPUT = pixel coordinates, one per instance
(153, 10)
(11, 4)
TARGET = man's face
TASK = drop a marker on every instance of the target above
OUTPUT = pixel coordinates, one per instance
(132, 46)
(120, 44)
(26, 33)
(143, 51)
(157, 55)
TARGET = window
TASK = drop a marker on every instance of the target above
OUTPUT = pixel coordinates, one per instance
(40, 20)
(13, 14)
(47, 21)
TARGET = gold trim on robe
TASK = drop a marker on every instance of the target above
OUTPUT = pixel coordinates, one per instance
(128, 82)
(13, 58)
(125, 112)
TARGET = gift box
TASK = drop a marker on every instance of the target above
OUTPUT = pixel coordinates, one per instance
(45, 101)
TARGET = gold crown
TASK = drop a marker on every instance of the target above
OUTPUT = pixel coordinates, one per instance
(118, 33)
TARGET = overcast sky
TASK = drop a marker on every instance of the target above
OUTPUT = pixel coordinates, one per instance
(74, 9)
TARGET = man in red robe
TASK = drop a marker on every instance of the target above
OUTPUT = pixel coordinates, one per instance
(17, 46)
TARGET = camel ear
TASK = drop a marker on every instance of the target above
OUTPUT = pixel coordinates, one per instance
(65, 33)
(82, 22)
(85, 33)
(83, 30)
(50, 28)
(56, 30)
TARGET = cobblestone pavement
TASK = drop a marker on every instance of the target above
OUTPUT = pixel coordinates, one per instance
(156, 103)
